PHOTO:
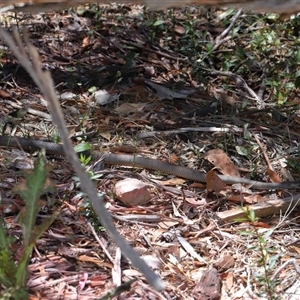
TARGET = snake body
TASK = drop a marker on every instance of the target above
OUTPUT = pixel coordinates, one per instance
(142, 162)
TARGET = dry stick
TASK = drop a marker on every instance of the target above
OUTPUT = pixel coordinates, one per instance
(242, 83)
(100, 242)
(222, 37)
(263, 152)
(44, 82)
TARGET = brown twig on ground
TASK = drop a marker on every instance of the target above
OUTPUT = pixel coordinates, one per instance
(263, 152)
(223, 36)
(242, 83)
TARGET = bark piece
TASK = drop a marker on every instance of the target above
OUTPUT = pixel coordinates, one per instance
(209, 286)
(262, 209)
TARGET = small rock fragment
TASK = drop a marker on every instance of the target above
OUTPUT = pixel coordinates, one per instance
(132, 192)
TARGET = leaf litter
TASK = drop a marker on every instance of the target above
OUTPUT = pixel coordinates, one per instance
(158, 69)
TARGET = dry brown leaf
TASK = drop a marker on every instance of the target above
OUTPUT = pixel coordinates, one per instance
(173, 182)
(214, 183)
(246, 199)
(86, 258)
(224, 263)
(128, 108)
(86, 42)
(229, 281)
(179, 29)
(261, 225)
(4, 94)
(104, 128)
(198, 185)
(226, 99)
(167, 224)
(220, 160)
(98, 280)
(157, 233)
(195, 202)
(274, 177)
(236, 198)
(254, 199)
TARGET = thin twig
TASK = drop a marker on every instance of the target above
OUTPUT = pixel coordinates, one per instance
(242, 83)
(263, 152)
(222, 38)
(100, 242)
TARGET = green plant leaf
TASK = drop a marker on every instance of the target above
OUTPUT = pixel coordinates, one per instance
(241, 220)
(297, 82)
(7, 268)
(82, 147)
(252, 216)
(226, 13)
(34, 185)
(5, 240)
(268, 233)
(158, 22)
(296, 59)
(21, 273)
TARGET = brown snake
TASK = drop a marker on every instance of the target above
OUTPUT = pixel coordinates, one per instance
(143, 162)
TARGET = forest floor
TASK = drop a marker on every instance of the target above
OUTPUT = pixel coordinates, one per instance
(202, 87)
